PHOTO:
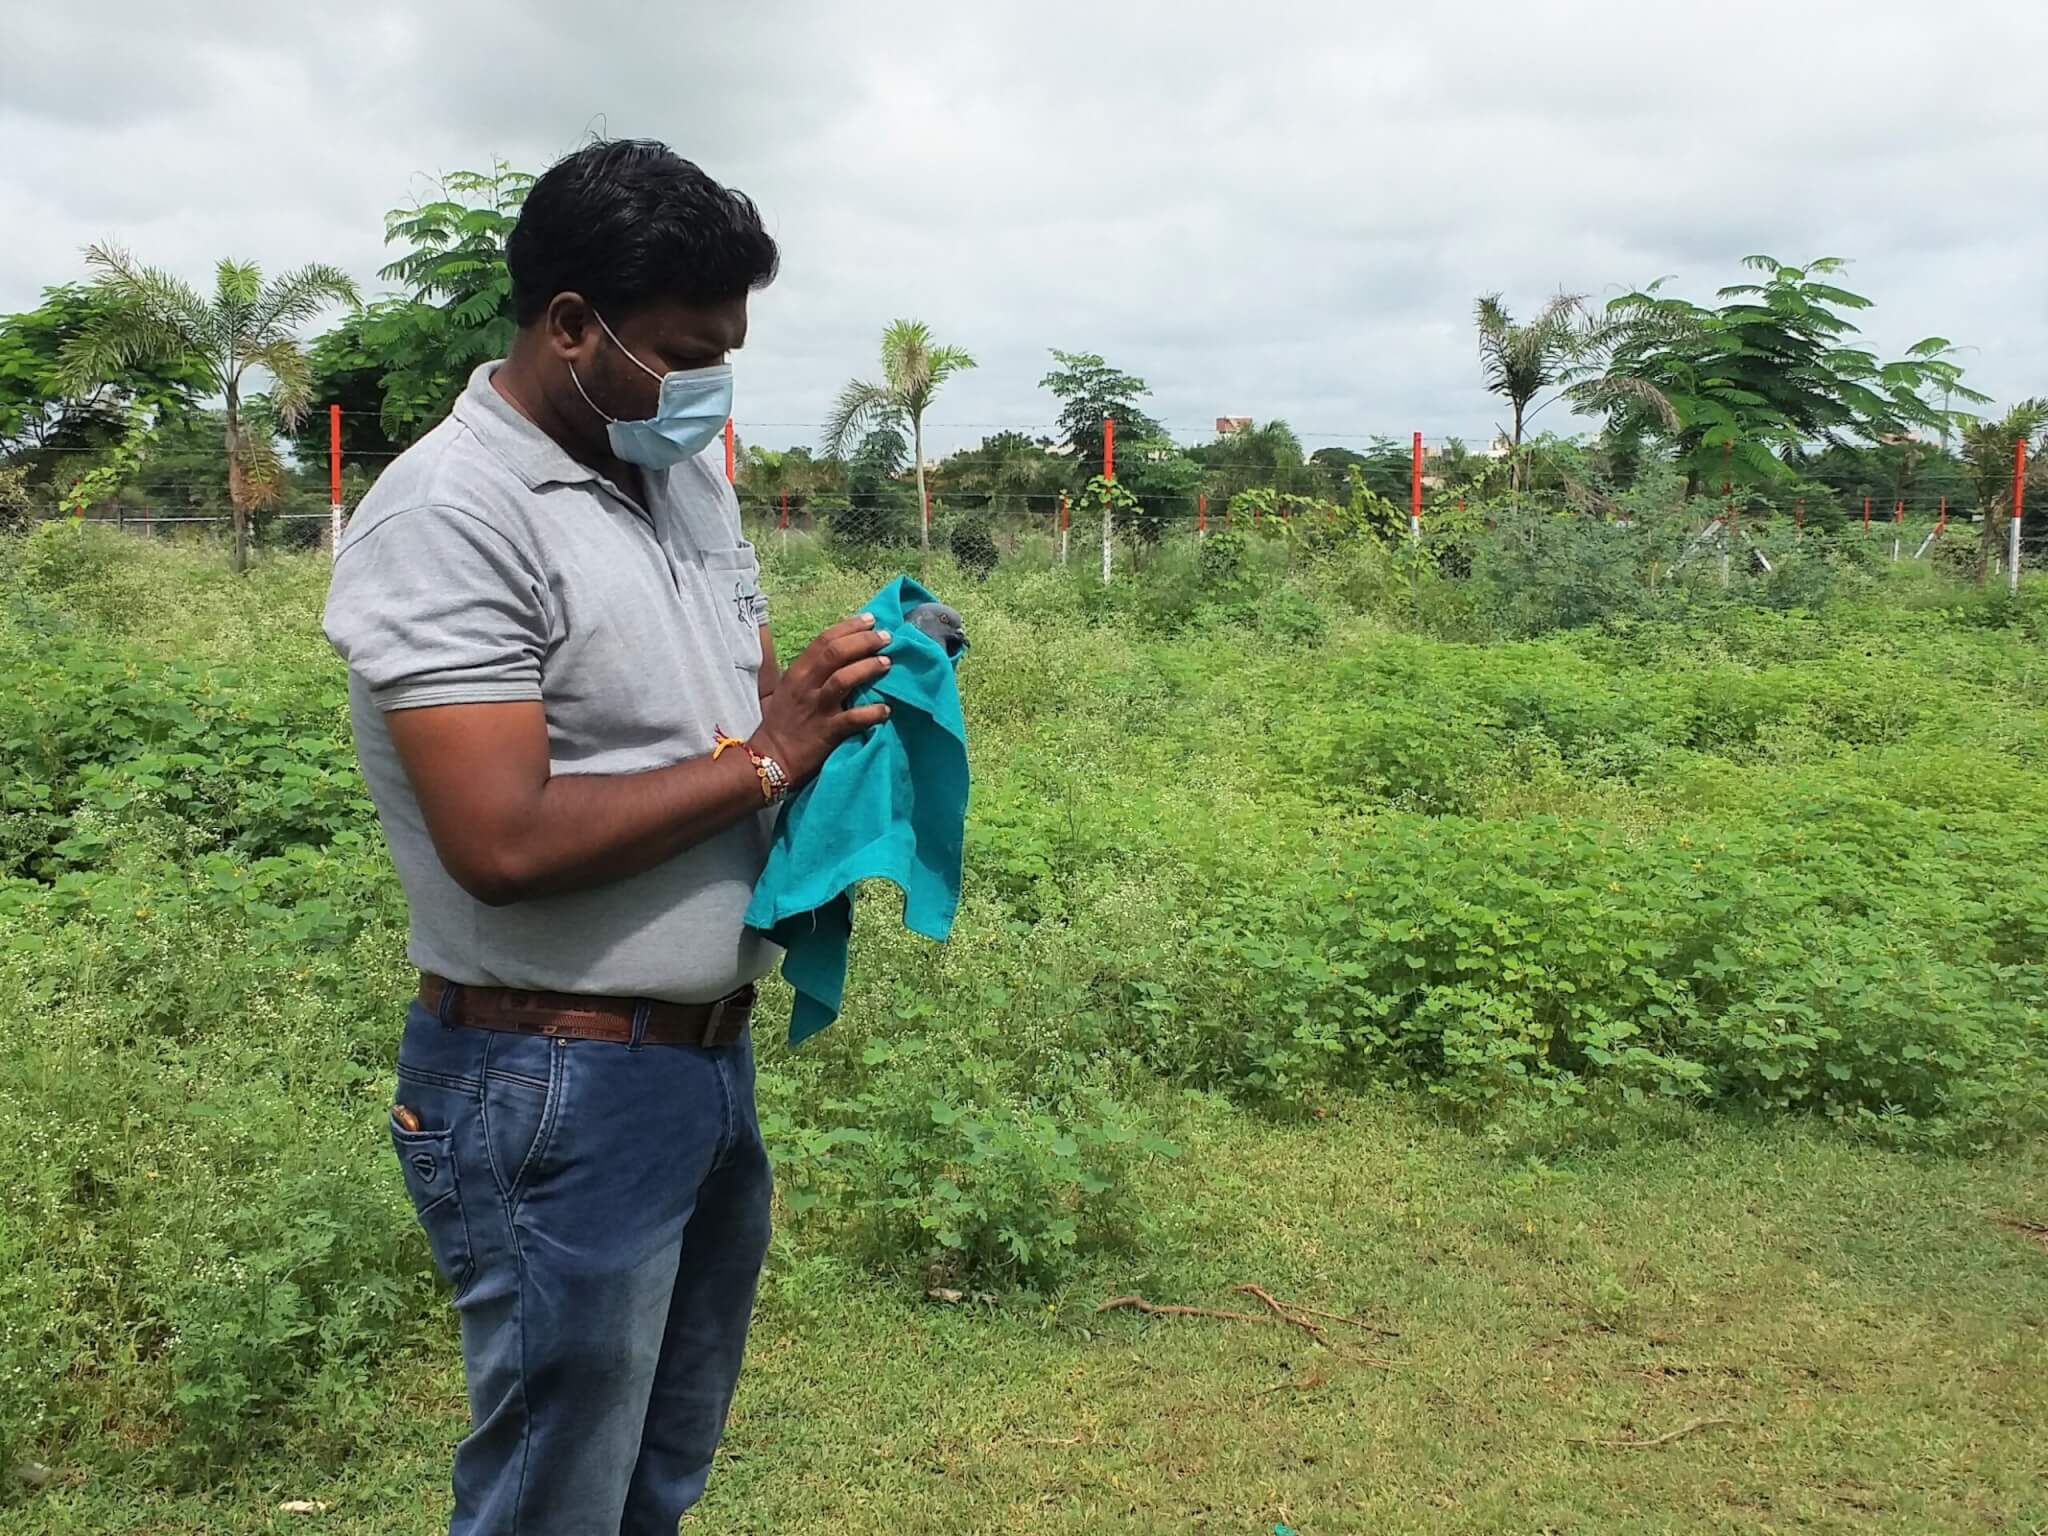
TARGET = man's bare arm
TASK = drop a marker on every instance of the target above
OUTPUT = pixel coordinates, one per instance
(508, 829)
(771, 669)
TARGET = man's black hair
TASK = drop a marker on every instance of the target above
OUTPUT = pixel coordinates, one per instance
(625, 222)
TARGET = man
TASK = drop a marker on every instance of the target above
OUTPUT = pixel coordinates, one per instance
(565, 699)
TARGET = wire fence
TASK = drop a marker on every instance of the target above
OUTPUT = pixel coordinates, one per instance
(986, 514)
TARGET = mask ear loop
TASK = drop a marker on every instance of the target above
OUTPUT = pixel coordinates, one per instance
(629, 358)
(586, 395)
(622, 347)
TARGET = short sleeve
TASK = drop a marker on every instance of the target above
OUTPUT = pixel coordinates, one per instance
(433, 606)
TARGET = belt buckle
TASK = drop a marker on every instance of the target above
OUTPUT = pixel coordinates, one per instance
(716, 1018)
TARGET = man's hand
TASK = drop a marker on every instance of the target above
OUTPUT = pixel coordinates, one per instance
(806, 716)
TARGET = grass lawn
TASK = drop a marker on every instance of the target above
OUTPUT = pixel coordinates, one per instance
(1875, 1341)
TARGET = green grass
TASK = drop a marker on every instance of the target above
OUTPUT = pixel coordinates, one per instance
(1644, 1024)
(1878, 1342)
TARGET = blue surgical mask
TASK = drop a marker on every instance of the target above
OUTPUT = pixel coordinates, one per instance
(693, 408)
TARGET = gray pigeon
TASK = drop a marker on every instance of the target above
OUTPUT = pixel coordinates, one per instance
(942, 624)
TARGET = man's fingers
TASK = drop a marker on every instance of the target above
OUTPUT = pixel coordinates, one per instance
(848, 626)
(849, 679)
(844, 650)
(865, 718)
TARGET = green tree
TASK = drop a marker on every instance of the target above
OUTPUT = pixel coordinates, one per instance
(1901, 469)
(1163, 481)
(1010, 472)
(767, 475)
(1265, 455)
(1334, 466)
(913, 368)
(1385, 466)
(1521, 361)
(882, 454)
(1089, 390)
(878, 509)
(350, 363)
(408, 356)
(153, 317)
(1989, 451)
(1740, 388)
(53, 423)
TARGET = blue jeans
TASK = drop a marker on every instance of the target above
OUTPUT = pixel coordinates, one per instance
(602, 1213)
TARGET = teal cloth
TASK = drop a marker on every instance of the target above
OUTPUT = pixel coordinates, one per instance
(888, 806)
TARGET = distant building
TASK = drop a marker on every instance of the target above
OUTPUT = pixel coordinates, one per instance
(1225, 425)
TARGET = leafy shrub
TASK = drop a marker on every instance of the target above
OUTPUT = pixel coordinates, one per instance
(1776, 968)
(1226, 573)
(1289, 616)
(994, 1191)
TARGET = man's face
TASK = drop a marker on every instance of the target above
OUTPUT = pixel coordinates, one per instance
(666, 336)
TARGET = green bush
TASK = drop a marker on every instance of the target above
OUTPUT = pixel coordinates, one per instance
(925, 1161)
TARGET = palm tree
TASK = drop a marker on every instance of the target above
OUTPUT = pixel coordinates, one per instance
(913, 368)
(154, 317)
(1522, 361)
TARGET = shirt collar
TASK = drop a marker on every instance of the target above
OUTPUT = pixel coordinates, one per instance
(529, 452)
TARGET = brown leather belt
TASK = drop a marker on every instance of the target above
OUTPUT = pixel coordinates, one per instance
(570, 1016)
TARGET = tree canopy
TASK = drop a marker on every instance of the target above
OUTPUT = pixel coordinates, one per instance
(1739, 388)
(913, 368)
(149, 317)
(1088, 389)
(407, 356)
(48, 414)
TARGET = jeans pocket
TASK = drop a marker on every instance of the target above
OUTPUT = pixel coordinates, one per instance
(518, 1113)
(427, 1159)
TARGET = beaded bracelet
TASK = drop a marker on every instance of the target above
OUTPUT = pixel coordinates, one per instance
(774, 782)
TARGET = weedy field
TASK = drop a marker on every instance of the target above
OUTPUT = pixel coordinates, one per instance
(1624, 1046)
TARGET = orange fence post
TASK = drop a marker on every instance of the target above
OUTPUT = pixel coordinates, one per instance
(334, 479)
(2019, 510)
(1415, 493)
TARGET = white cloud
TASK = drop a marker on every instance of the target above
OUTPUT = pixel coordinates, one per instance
(1283, 210)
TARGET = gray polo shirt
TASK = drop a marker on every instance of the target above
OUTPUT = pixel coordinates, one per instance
(487, 565)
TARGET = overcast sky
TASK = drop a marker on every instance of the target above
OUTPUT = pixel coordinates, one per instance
(1282, 209)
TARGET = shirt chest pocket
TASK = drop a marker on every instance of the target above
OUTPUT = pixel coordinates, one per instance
(735, 578)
